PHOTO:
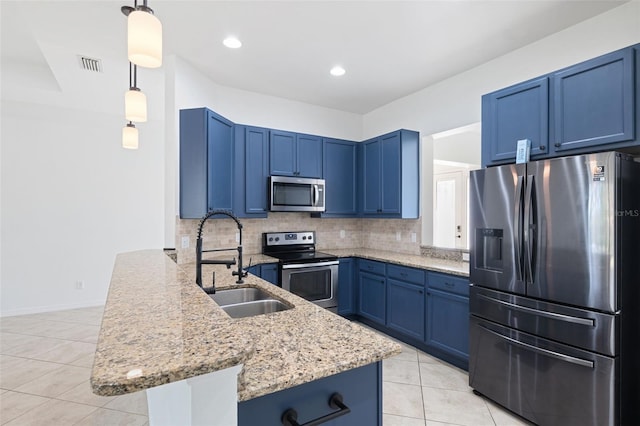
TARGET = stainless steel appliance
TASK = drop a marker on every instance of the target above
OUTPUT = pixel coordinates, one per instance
(293, 194)
(555, 289)
(302, 270)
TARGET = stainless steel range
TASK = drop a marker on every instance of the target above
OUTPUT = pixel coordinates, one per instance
(302, 270)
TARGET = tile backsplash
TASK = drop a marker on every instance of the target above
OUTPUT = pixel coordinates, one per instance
(379, 234)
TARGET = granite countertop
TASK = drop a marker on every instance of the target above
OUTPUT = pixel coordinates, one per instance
(159, 327)
(415, 261)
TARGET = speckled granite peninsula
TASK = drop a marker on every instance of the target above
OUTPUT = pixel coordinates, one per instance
(159, 327)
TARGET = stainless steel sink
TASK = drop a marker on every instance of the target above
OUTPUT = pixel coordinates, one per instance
(239, 295)
(250, 309)
(247, 302)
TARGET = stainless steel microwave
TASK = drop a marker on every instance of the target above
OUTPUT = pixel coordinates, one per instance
(293, 194)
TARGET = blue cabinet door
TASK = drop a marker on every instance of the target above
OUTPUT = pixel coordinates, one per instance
(372, 166)
(282, 153)
(405, 308)
(206, 158)
(361, 390)
(594, 102)
(309, 156)
(447, 323)
(256, 171)
(294, 154)
(220, 160)
(341, 180)
(515, 113)
(372, 297)
(346, 287)
(269, 272)
(251, 172)
(390, 171)
(255, 270)
(390, 177)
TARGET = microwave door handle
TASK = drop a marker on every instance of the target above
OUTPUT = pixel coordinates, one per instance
(316, 195)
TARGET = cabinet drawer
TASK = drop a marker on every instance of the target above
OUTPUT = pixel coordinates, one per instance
(458, 285)
(372, 266)
(403, 273)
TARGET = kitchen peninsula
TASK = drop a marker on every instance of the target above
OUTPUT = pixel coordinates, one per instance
(162, 333)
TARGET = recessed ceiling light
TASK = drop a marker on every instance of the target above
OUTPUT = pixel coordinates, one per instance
(232, 42)
(337, 71)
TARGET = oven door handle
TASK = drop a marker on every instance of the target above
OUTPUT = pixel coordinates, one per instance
(309, 265)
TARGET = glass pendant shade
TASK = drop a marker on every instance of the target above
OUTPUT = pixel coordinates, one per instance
(135, 105)
(130, 137)
(144, 39)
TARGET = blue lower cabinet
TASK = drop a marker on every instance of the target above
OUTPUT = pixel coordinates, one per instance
(405, 308)
(266, 271)
(372, 297)
(447, 323)
(347, 287)
(269, 272)
(360, 388)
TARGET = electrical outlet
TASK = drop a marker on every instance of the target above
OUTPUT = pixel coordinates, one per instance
(185, 241)
(465, 257)
(414, 237)
(79, 285)
(398, 236)
(342, 233)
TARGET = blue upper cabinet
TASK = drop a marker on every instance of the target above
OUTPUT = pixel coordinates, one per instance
(594, 102)
(206, 159)
(589, 107)
(515, 113)
(251, 171)
(390, 178)
(341, 178)
(294, 154)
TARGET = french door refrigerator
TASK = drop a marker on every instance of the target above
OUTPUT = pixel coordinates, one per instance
(555, 289)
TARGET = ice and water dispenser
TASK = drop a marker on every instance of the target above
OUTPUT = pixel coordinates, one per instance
(489, 249)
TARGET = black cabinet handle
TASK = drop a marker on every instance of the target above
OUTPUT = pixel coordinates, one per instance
(542, 147)
(290, 417)
(557, 145)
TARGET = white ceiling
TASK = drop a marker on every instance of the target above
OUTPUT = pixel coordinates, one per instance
(389, 48)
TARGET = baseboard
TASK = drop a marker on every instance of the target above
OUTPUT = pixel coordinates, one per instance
(51, 308)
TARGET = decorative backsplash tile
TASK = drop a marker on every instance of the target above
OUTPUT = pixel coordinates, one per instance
(379, 234)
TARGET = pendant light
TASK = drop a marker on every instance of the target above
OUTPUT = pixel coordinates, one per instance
(135, 102)
(130, 136)
(144, 35)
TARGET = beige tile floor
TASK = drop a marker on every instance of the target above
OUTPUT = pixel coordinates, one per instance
(46, 360)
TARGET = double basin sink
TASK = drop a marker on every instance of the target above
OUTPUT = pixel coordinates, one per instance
(247, 302)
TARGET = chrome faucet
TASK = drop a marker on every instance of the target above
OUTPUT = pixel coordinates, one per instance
(199, 262)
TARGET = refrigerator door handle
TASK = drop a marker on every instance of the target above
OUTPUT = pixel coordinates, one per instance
(529, 229)
(562, 357)
(517, 223)
(546, 314)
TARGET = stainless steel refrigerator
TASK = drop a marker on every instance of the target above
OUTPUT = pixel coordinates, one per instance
(555, 289)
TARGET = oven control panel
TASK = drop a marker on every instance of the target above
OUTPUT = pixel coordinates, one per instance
(289, 238)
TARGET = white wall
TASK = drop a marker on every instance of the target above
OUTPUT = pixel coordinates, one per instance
(187, 87)
(72, 198)
(455, 102)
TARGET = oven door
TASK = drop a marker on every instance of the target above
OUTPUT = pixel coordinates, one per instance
(316, 282)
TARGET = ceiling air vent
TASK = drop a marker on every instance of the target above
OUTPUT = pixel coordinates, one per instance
(90, 64)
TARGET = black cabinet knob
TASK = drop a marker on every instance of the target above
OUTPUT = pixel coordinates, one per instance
(542, 147)
(557, 145)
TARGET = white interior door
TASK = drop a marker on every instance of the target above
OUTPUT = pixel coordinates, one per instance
(450, 204)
